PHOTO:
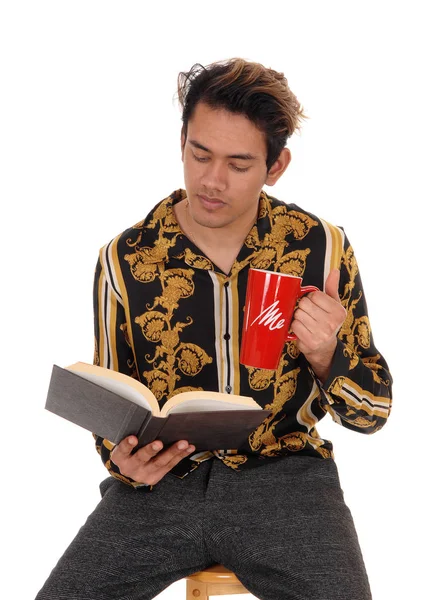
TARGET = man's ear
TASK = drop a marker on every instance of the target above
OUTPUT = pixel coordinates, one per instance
(279, 167)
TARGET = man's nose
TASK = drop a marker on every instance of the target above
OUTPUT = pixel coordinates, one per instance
(215, 176)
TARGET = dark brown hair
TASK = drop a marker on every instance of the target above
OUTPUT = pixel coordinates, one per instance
(249, 88)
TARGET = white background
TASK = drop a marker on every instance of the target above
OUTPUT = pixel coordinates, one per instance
(90, 142)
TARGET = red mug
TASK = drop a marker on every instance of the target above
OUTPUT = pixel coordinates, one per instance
(269, 306)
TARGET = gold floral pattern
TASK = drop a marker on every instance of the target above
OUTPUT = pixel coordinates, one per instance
(270, 253)
(234, 460)
(158, 382)
(140, 269)
(336, 386)
(291, 221)
(197, 261)
(125, 331)
(260, 379)
(152, 324)
(284, 388)
(166, 337)
(294, 442)
(293, 263)
(146, 264)
(355, 331)
(96, 357)
(292, 349)
(192, 359)
(375, 368)
(361, 422)
(324, 452)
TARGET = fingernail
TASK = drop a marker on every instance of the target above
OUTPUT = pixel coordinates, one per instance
(190, 449)
(182, 445)
(155, 447)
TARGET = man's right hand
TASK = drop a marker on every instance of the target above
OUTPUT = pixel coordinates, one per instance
(149, 464)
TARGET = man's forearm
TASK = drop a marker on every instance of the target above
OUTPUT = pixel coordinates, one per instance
(321, 362)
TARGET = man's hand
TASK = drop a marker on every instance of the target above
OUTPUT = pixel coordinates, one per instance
(316, 322)
(148, 465)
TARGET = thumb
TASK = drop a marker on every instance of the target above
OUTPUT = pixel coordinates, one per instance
(332, 283)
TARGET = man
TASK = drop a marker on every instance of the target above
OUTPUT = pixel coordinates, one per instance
(169, 298)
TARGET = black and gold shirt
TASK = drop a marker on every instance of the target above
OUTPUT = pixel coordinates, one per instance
(166, 315)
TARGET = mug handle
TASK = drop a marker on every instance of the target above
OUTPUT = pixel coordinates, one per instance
(304, 290)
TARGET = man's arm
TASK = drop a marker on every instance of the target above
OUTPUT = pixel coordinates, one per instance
(334, 334)
(113, 350)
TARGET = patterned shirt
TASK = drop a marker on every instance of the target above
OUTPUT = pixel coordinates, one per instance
(169, 317)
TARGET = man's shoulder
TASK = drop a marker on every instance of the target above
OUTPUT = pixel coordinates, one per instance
(147, 229)
(279, 207)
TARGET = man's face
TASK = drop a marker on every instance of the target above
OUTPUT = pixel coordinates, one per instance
(224, 159)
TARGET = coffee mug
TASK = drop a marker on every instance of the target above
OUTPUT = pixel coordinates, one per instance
(269, 306)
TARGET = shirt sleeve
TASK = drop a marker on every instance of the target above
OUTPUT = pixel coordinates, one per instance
(358, 390)
(112, 348)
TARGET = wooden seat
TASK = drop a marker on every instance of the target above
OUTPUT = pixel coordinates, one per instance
(214, 581)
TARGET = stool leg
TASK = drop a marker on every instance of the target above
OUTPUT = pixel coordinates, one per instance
(196, 590)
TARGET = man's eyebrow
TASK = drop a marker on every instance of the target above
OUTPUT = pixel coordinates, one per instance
(246, 156)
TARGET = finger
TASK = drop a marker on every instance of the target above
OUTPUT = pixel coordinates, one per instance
(305, 319)
(179, 457)
(305, 337)
(153, 471)
(321, 300)
(125, 447)
(318, 329)
(322, 316)
(179, 450)
(312, 307)
(149, 451)
(332, 283)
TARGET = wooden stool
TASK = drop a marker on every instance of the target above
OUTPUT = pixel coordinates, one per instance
(214, 581)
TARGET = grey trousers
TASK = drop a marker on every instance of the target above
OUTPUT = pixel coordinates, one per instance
(283, 528)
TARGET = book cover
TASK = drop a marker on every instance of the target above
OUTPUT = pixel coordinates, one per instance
(107, 413)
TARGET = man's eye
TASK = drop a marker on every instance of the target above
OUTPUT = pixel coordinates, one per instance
(200, 158)
(203, 159)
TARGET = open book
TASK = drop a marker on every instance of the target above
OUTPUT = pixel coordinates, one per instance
(113, 405)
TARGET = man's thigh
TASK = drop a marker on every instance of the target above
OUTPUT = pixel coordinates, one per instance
(135, 543)
(286, 532)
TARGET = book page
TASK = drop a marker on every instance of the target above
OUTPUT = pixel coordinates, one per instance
(201, 401)
(121, 384)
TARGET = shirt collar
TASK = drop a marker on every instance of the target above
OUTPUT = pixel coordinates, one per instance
(276, 225)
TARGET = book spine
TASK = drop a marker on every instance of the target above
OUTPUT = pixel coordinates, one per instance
(128, 425)
(151, 431)
(144, 425)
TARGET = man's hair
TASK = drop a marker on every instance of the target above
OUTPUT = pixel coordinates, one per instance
(247, 88)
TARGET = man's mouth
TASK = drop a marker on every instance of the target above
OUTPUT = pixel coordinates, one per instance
(210, 202)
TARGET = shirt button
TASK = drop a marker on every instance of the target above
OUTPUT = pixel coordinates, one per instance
(228, 389)
(226, 284)
(226, 336)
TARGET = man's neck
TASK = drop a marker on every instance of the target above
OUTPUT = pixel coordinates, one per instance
(220, 244)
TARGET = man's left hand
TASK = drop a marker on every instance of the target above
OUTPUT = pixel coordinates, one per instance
(316, 322)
